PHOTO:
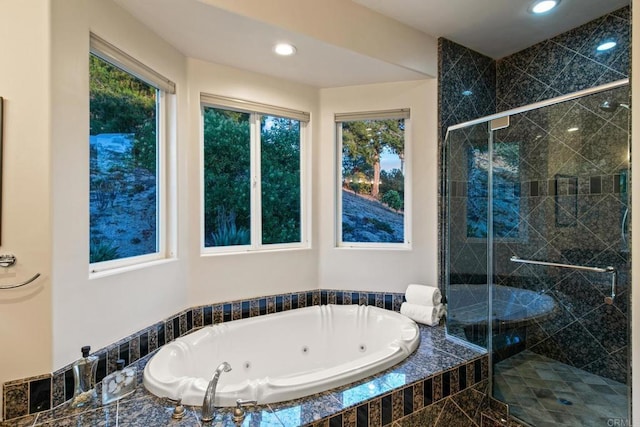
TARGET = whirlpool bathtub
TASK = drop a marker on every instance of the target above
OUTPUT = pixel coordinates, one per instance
(282, 356)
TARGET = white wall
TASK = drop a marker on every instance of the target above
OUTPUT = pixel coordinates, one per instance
(375, 269)
(25, 314)
(217, 278)
(101, 311)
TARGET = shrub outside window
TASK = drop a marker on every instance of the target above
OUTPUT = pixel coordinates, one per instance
(126, 159)
(253, 177)
(373, 202)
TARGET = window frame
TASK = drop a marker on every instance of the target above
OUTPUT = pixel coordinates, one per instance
(165, 137)
(256, 111)
(403, 113)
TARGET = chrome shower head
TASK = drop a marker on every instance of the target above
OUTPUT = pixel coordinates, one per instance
(611, 106)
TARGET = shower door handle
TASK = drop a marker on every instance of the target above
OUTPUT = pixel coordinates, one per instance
(610, 269)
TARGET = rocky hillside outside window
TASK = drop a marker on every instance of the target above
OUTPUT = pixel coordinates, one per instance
(126, 159)
(373, 202)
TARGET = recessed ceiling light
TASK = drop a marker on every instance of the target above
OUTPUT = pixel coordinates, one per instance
(574, 129)
(467, 93)
(284, 49)
(543, 6)
(606, 46)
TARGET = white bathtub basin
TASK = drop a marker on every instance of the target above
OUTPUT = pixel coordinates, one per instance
(284, 355)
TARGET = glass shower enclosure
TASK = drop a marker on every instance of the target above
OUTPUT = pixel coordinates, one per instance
(537, 266)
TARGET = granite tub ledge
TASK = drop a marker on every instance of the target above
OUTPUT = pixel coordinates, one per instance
(437, 369)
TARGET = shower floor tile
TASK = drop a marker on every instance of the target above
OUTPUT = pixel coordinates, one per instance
(544, 392)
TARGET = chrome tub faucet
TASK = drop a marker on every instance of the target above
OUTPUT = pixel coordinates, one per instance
(208, 405)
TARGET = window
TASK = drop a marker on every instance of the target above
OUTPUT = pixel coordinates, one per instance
(373, 203)
(253, 176)
(126, 159)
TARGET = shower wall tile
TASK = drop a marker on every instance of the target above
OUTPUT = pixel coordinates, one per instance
(609, 327)
(566, 63)
(460, 71)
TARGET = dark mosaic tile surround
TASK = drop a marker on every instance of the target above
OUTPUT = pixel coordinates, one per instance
(32, 395)
(573, 188)
(442, 381)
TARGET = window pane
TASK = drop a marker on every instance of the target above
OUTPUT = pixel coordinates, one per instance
(280, 167)
(373, 181)
(123, 164)
(227, 178)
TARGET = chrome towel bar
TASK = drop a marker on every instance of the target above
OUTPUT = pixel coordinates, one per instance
(7, 260)
(17, 285)
(609, 269)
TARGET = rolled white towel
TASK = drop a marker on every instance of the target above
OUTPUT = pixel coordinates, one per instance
(427, 315)
(423, 295)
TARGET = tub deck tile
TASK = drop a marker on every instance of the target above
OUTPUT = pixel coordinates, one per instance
(253, 417)
(421, 365)
(332, 297)
(437, 388)
(26, 421)
(100, 417)
(236, 310)
(198, 317)
(306, 410)
(254, 308)
(364, 390)
(436, 338)
(397, 405)
(153, 340)
(271, 305)
(380, 300)
(349, 418)
(218, 313)
(347, 298)
(375, 413)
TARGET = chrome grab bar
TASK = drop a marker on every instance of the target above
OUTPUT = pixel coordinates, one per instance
(609, 269)
(555, 264)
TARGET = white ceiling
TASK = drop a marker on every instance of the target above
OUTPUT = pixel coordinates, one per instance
(496, 28)
(205, 32)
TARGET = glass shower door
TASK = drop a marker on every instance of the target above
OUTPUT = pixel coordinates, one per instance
(467, 284)
(560, 203)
